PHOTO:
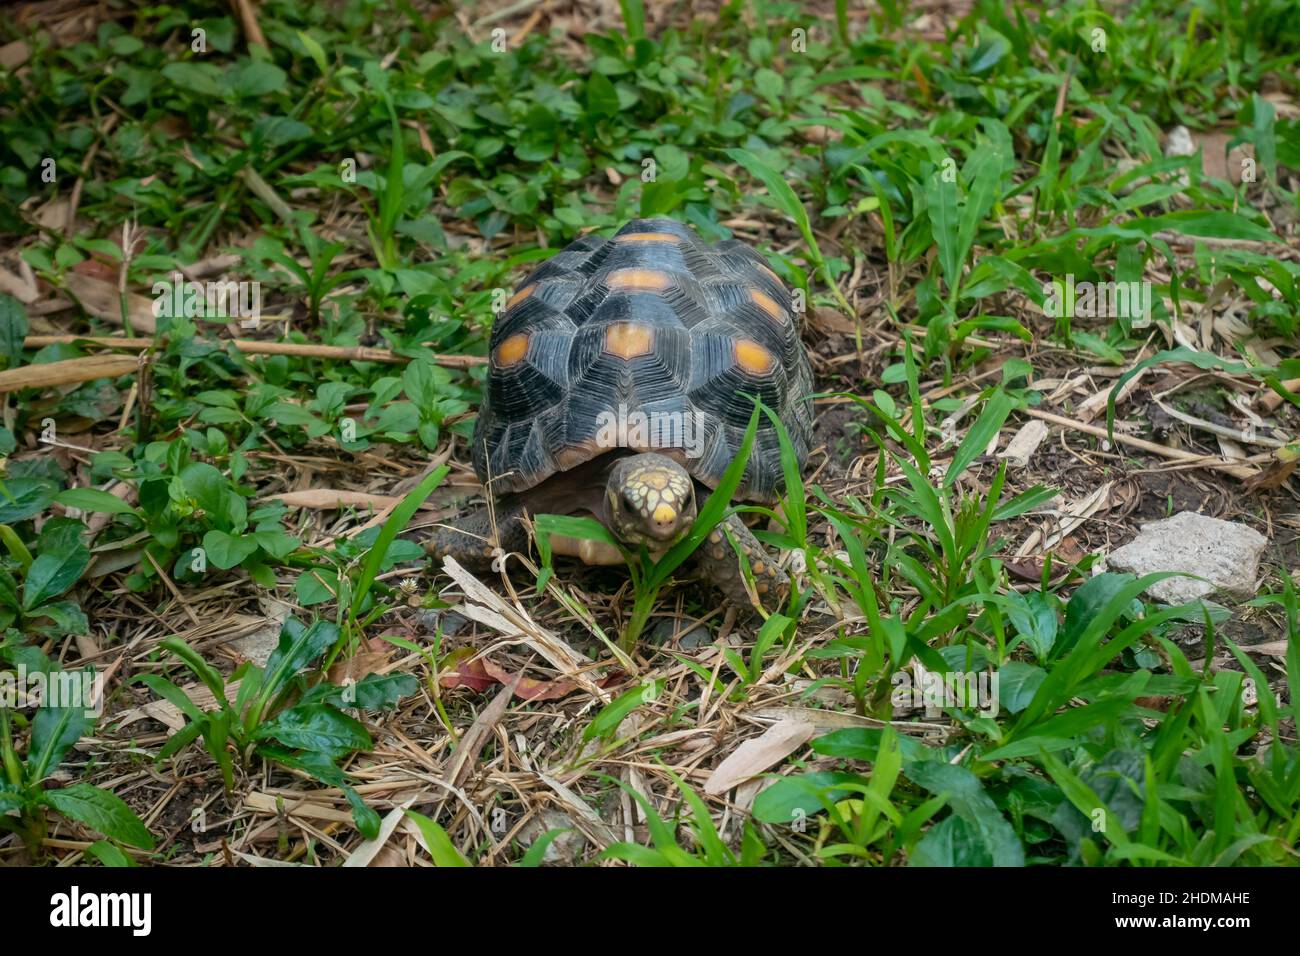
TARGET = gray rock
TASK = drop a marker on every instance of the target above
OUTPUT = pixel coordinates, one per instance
(692, 637)
(258, 645)
(567, 848)
(1225, 553)
(451, 622)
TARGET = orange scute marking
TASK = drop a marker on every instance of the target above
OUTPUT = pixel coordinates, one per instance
(768, 305)
(522, 294)
(638, 280)
(627, 340)
(647, 237)
(752, 357)
(512, 350)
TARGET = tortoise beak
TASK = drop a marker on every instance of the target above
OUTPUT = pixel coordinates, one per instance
(665, 523)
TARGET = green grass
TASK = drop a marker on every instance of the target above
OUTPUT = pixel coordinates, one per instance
(392, 202)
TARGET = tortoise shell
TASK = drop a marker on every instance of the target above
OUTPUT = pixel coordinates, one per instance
(654, 329)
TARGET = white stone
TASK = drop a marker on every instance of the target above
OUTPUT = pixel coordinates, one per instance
(1225, 553)
(1179, 142)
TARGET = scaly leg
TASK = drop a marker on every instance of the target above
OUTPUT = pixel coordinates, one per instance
(471, 540)
(720, 565)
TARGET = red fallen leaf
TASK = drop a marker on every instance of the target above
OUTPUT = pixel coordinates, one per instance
(461, 670)
(1069, 551)
(1025, 570)
(1031, 570)
(529, 688)
(174, 127)
(481, 674)
(1154, 703)
(1274, 476)
(96, 268)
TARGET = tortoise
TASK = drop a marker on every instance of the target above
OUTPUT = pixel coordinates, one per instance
(618, 386)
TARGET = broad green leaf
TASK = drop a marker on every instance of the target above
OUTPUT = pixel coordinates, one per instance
(298, 647)
(863, 743)
(968, 800)
(317, 727)
(109, 854)
(316, 586)
(1087, 601)
(25, 497)
(101, 811)
(226, 551)
(207, 486)
(602, 98)
(94, 500)
(13, 329)
(54, 730)
(372, 692)
(952, 842)
(52, 574)
(1034, 618)
(1017, 684)
(799, 796)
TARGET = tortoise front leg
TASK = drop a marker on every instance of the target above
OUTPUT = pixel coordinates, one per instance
(472, 541)
(719, 564)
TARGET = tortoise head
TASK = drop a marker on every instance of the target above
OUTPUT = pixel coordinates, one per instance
(649, 499)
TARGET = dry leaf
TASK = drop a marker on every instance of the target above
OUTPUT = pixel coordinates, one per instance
(1026, 441)
(100, 298)
(367, 850)
(328, 499)
(758, 754)
(14, 55)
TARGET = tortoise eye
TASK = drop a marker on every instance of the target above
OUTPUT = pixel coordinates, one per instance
(628, 505)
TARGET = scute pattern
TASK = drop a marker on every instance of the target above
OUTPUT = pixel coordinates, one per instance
(692, 303)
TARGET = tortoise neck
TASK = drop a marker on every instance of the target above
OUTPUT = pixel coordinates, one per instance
(581, 488)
